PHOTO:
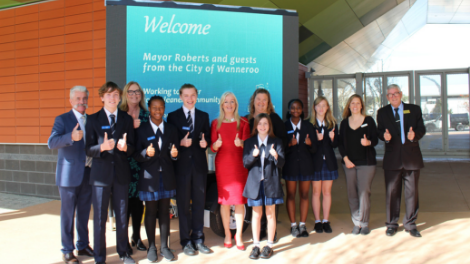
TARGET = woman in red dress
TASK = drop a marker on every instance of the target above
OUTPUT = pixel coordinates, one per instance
(228, 133)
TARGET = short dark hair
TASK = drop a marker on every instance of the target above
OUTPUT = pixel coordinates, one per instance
(109, 85)
(187, 86)
(155, 97)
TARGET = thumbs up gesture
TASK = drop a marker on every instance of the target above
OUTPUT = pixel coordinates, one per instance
(364, 141)
(411, 134)
(238, 141)
(308, 141)
(136, 121)
(319, 136)
(273, 152)
(150, 150)
(174, 151)
(255, 152)
(122, 143)
(186, 142)
(108, 144)
(332, 134)
(387, 135)
(218, 143)
(293, 140)
(203, 142)
(77, 135)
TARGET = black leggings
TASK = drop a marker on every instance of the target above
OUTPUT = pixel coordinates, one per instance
(162, 209)
(135, 209)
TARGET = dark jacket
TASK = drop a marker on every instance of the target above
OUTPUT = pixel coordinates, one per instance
(272, 177)
(398, 155)
(103, 162)
(325, 148)
(299, 157)
(149, 175)
(371, 135)
(194, 155)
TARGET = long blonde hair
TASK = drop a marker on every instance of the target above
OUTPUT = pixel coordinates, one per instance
(252, 102)
(221, 117)
(124, 106)
(347, 111)
(330, 120)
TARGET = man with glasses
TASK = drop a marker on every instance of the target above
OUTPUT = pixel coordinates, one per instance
(401, 125)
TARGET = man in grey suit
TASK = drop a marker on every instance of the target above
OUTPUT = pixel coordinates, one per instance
(73, 174)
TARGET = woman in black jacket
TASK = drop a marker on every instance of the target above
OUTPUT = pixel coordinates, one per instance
(299, 166)
(324, 160)
(357, 139)
(156, 149)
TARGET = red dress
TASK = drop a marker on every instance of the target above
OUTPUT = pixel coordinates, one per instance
(229, 171)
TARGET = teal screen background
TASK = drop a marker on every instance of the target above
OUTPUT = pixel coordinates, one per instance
(231, 35)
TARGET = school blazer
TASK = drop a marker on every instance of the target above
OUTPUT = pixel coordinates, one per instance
(398, 155)
(272, 179)
(149, 175)
(299, 157)
(194, 155)
(326, 147)
(103, 162)
(371, 135)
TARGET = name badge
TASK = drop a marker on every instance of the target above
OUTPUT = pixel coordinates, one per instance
(105, 127)
(186, 128)
(290, 132)
(150, 138)
(398, 120)
(364, 125)
(406, 111)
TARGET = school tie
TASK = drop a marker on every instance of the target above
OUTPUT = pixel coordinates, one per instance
(89, 160)
(262, 153)
(189, 120)
(397, 121)
(113, 122)
(158, 136)
(297, 133)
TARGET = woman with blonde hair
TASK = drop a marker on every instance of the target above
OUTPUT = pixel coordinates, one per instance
(228, 132)
(133, 102)
(357, 138)
(324, 161)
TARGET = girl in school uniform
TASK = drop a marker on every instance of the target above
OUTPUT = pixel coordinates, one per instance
(298, 167)
(324, 161)
(263, 156)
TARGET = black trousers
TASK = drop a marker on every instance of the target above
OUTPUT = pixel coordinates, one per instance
(394, 179)
(135, 209)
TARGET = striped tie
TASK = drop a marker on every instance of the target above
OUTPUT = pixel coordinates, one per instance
(113, 122)
(190, 122)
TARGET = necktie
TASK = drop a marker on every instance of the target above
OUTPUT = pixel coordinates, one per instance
(158, 136)
(297, 133)
(262, 153)
(113, 122)
(89, 160)
(397, 121)
(190, 122)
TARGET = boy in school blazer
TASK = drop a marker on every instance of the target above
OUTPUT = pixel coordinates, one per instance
(110, 140)
(193, 128)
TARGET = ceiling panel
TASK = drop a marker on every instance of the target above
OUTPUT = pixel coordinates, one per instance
(462, 16)
(306, 8)
(389, 20)
(367, 40)
(415, 19)
(257, 3)
(308, 44)
(362, 7)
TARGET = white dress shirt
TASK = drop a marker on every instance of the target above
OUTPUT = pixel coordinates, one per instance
(155, 127)
(109, 118)
(193, 114)
(263, 154)
(296, 127)
(322, 124)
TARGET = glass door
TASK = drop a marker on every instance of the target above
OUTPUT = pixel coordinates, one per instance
(458, 111)
(431, 106)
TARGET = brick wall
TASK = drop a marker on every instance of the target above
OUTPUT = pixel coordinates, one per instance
(303, 87)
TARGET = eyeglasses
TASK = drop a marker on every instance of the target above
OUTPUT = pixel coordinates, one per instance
(394, 94)
(136, 92)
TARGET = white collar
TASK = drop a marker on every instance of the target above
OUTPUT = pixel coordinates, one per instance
(185, 110)
(295, 126)
(265, 141)
(108, 113)
(155, 127)
(77, 114)
(322, 123)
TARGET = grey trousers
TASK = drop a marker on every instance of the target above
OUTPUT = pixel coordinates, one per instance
(358, 181)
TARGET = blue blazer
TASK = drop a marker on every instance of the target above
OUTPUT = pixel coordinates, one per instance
(71, 154)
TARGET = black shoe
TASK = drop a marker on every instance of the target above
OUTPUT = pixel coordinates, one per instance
(275, 238)
(391, 231)
(129, 249)
(189, 250)
(262, 235)
(203, 248)
(267, 252)
(139, 245)
(127, 259)
(414, 232)
(303, 231)
(167, 254)
(356, 230)
(294, 230)
(327, 227)
(69, 258)
(152, 255)
(86, 252)
(365, 230)
(318, 227)
(255, 253)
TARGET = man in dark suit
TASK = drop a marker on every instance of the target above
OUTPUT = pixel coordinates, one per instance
(73, 174)
(110, 173)
(191, 169)
(401, 125)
